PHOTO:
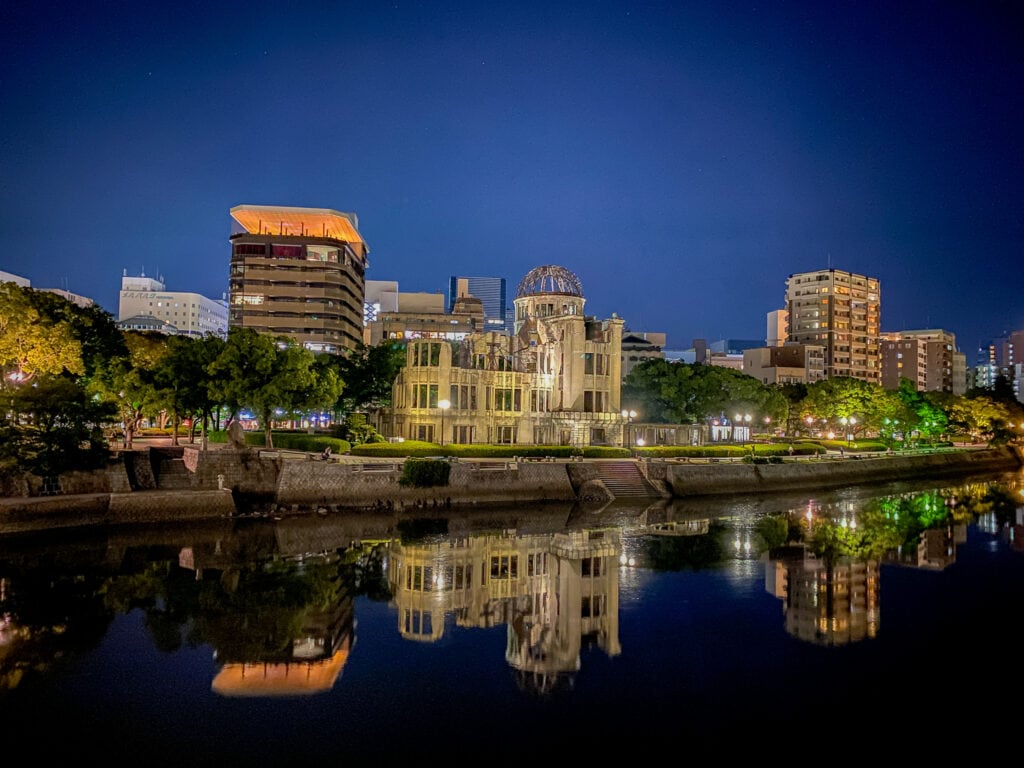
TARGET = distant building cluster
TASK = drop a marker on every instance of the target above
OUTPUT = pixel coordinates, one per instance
(540, 371)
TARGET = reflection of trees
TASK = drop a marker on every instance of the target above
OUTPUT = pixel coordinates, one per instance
(47, 616)
(255, 612)
(678, 553)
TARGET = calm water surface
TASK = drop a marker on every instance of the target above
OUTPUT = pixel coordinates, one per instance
(871, 621)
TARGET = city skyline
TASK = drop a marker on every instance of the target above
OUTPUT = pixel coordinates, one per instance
(682, 161)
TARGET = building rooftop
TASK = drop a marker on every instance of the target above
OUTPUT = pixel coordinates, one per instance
(298, 222)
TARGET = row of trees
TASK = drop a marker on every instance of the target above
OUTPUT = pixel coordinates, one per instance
(69, 373)
(687, 394)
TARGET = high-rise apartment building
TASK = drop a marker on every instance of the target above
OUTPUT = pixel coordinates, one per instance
(928, 358)
(841, 312)
(145, 304)
(490, 291)
(300, 273)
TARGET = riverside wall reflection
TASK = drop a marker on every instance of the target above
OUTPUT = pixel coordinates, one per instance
(275, 600)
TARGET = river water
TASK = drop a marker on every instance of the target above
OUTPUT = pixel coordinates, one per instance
(867, 621)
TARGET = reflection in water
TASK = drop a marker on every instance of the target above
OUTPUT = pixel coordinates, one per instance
(555, 592)
(275, 600)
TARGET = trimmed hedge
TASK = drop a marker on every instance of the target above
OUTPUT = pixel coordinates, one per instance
(289, 441)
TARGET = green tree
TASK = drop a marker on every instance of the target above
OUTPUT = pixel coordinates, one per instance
(32, 343)
(681, 393)
(184, 381)
(61, 429)
(93, 327)
(369, 374)
(976, 417)
(838, 398)
(269, 375)
(129, 382)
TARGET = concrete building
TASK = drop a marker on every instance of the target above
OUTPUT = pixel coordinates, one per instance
(423, 316)
(24, 282)
(379, 296)
(492, 294)
(300, 273)
(556, 381)
(789, 364)
(841, 312)
(8, 277)
(640, 346)
(928, 358)
(1000, 357)
(144, 303)
(778, 328)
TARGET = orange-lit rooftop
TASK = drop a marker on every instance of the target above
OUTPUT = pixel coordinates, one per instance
(298, 222)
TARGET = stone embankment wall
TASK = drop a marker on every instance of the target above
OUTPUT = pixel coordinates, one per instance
(211, 484)
(717, 478)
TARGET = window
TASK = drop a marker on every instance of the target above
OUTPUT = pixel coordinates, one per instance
(426, 354)
(424, 396)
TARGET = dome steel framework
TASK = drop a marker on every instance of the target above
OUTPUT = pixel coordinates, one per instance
(549, 279)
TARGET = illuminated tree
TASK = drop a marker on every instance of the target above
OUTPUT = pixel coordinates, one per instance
(32, 343)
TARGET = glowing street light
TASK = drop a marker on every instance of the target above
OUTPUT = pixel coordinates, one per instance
(852, 423)
(740, 420)
(629, 415)
(444, 405)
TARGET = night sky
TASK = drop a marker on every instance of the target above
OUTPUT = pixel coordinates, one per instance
(682, 158)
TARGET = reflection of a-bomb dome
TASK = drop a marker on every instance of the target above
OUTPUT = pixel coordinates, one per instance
(549, 279)
(544, 683)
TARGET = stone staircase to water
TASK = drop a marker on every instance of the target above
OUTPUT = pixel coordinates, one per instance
(623, 479)
(170, 471)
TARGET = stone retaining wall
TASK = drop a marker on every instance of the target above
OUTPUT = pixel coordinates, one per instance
(363, 485)
(219, 477)
(704, 479)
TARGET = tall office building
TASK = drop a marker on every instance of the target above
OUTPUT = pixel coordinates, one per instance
(145, 304)
(841, 312)
(298, 272)
(490, 291)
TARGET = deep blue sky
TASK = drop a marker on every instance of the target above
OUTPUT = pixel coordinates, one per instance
(682, 158)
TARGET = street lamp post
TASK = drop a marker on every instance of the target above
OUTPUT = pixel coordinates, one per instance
(444, 405)
(629, 415)
(740, 420)
(851, 422)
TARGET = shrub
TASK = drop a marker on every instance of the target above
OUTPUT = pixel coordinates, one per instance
(425, 473)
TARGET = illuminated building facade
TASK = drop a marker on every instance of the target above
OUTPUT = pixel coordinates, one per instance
(928, 358)
(841, 312)
(556, 381)
(300, 273)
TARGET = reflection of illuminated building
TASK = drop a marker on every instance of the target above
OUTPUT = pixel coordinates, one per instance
(825, 604)
(554, 592)
(936, 548)
(310, 663)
